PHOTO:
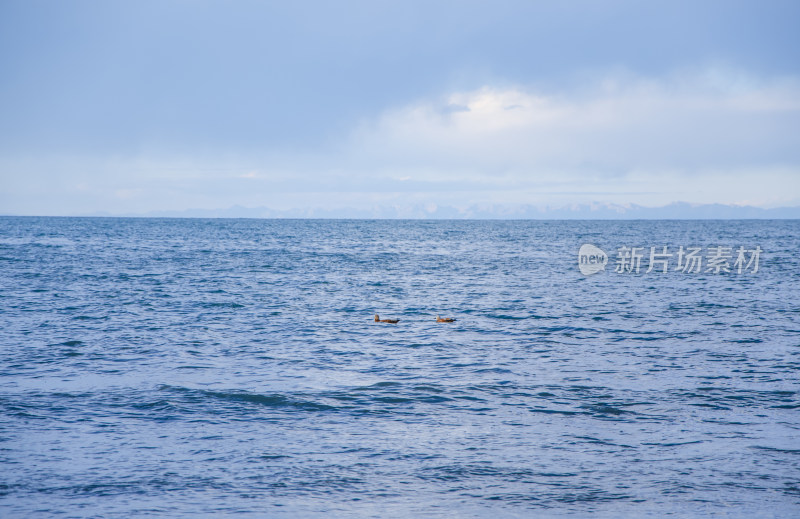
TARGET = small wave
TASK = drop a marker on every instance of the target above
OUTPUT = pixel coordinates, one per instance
(269, 400)
(591, 497)
(776, 449)
(604, 409)
(673, 444)
(464, 472)
(226, 304)
(507, 317)
(71, 343)
(555, 411)
(273, 457)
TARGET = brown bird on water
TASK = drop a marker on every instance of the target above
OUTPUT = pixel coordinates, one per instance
(391, 321)
(444, 319)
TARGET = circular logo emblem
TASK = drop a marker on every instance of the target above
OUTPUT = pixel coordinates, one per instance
(591, 259)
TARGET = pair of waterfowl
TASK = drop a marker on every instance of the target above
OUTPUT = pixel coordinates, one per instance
(395, 321)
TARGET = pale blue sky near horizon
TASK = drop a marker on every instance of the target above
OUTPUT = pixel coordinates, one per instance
(126, 107)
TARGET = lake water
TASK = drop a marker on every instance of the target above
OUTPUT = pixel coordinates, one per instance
(169, 367)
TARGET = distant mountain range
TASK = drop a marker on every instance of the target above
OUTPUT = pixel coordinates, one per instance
(594, 211)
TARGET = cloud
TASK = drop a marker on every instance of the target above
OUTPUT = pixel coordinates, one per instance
(717, 135)
(614, 129)
(711, 137)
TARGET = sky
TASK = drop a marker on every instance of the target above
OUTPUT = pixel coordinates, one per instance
(131, 107)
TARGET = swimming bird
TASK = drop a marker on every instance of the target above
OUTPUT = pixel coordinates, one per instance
(444, 319)
(379, 320)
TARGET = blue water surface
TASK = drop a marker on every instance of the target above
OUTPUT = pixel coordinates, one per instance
(181, 367)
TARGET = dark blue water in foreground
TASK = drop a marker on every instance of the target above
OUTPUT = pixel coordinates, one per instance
(232, 367)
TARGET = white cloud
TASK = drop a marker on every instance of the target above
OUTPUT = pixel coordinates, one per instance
(687, 125)
(710, 137)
